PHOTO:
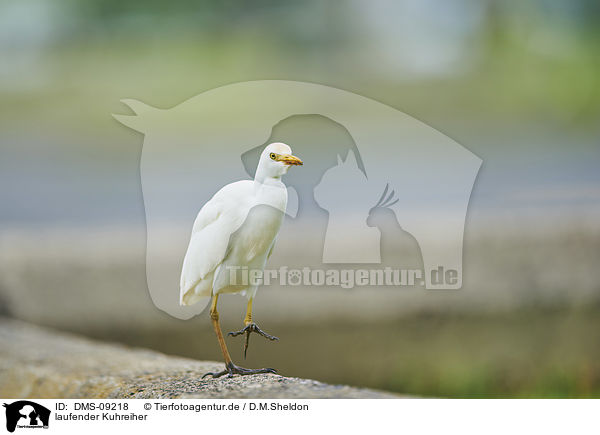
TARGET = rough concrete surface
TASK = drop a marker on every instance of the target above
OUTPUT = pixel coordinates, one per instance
(40, 363)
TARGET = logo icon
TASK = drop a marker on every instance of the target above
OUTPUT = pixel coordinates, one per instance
(378, 186)
(26, 414)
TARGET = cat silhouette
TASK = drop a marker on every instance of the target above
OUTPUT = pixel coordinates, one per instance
(347, 195)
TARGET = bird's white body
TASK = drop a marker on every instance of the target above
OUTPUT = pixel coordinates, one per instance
(236, 229)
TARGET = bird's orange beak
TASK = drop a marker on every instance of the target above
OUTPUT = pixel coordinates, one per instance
(290, 160)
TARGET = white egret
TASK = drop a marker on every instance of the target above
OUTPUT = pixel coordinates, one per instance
(235, 231)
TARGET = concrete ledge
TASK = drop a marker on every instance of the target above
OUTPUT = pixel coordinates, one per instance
(40, 363)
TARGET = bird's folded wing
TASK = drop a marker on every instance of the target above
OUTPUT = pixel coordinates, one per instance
(214, 225)
(229, 200)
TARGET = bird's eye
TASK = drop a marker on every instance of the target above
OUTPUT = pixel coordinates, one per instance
(273, 156)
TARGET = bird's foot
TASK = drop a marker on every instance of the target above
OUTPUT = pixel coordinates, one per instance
(250, 328)
(231, 369)
(253, 327)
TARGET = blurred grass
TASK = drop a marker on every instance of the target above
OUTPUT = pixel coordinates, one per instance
(524, 354)
(511, 85)
(525, 62)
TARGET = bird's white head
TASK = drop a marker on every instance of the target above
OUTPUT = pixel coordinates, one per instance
(275, 161)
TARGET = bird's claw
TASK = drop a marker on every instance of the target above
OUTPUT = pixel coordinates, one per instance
(250, 328)
(231, 369)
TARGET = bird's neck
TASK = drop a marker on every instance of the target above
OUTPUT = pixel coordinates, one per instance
(260, 180)
(271, 191)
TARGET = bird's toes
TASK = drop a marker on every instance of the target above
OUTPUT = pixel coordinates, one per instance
(271, 337)
(214, 374)
(236, 333)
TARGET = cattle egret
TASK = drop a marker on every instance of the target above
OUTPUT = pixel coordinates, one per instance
(235, 231)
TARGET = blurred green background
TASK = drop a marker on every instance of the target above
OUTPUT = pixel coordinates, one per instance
(514, 82)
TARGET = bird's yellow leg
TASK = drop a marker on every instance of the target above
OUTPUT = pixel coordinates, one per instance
(248, 318)
(214, 316)
(230, 367)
